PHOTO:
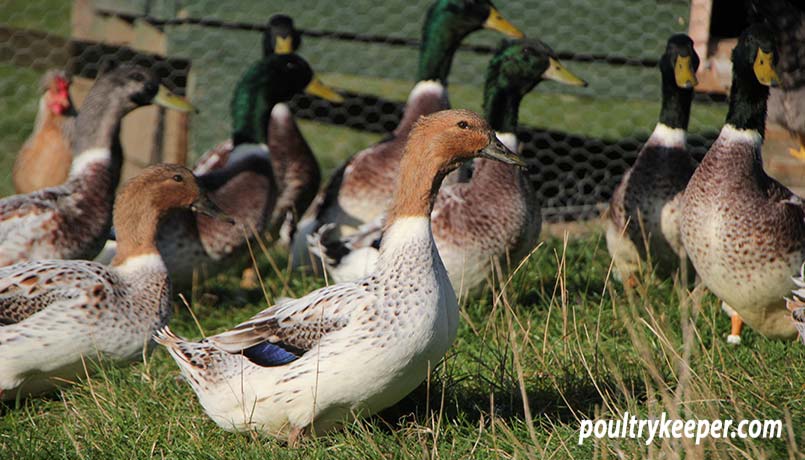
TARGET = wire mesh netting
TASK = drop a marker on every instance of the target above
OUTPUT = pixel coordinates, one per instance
(579, 141)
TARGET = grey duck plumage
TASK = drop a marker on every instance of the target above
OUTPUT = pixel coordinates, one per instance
(643, 218)
(743, 230)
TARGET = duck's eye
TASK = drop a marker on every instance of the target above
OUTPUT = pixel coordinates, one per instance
(138, 77)
(463, 124)
(178, 178)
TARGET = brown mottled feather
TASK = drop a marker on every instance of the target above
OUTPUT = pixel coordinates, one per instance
(744, 232)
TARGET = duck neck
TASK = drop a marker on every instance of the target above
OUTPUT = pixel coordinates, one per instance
(288, 147)
(251, 105)
(416, 189)
(98, 124)
(136, 223)
(676, 101)
(439, 44)
(747, 104)
(501, 107)
(98, 154)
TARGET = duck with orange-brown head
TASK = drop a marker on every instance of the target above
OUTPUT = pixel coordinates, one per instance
(305, 366)
(57, 313)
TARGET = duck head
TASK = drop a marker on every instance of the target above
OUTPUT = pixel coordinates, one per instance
(290, 74)
(137, 86)
(680, 62)
(678, 66)
(280, 36)
(447, 23)
(163, 187)
(755, 56)
(148, 197)
(275, 79)
(467, 16)
(753, 62)
(515, 69)
(438, 144)
(451, 137)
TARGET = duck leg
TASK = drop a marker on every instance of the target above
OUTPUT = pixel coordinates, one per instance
(296, 435)
(799, 154)
(735, 335)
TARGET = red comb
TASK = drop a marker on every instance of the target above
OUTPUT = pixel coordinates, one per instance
(62, 84)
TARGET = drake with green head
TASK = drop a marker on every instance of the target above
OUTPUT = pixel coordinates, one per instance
(494, 216)
(643, 218)
(360, 189)
(260, 116)
(743, 230)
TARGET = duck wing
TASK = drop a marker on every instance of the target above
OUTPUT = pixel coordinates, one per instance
(284, 332)
(30, 287)
(38, 213)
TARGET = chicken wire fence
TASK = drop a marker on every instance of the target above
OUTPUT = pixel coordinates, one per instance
(578, 141)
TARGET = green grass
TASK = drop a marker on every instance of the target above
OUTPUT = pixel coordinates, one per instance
(560, 334)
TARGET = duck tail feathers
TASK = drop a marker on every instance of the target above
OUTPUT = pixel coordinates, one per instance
(195, 359)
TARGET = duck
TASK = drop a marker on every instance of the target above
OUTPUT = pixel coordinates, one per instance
(275, 182)
(643, 217)
(306, 366)
(494, 215)
(72, 220)
(295, 167)
(359, 190)
(796, 304)
(57, 313)
(45, 158)
(786, 101)
(743, 230)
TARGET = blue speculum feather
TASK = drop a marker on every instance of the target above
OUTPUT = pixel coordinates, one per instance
(268, 355)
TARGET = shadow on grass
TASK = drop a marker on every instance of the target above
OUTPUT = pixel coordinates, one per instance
(576, 397)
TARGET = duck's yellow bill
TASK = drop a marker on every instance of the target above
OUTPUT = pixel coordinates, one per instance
(166, 98)
(763, 68)
(684, 74)
(283, 45)
(317, 88)
(496, 21)
(557, 72)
